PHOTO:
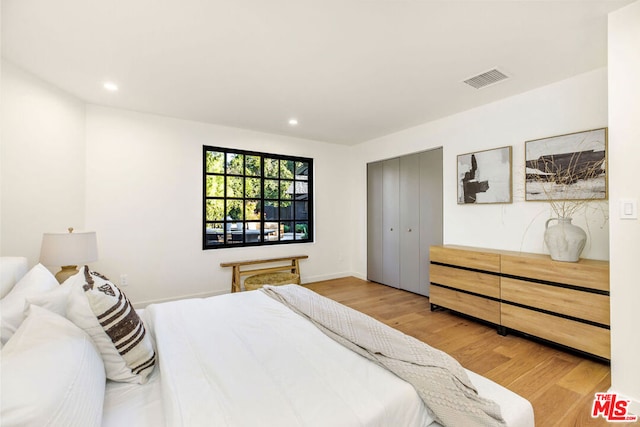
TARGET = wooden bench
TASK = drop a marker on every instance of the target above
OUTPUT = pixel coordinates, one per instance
(240, 268)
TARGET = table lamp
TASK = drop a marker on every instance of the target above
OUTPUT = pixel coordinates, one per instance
(68, 250)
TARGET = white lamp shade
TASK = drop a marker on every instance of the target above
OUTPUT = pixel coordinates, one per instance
(68, 248)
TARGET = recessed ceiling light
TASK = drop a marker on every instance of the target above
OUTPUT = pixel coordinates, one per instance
(293, 122)
(110, 86)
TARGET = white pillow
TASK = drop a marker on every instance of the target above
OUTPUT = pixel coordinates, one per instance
(52, 374)
(37, 280)
(54, 300)
(12, 268)
(104, 312)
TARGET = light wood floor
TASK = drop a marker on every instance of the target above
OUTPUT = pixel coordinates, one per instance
(560, 385)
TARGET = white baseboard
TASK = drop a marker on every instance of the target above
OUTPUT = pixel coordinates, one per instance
(308, 279)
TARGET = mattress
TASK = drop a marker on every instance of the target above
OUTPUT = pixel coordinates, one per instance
(141, 405)
(248, 360)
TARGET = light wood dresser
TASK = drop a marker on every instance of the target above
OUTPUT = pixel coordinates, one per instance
(560, 302)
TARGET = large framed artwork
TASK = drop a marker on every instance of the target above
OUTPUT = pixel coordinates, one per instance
(485, 176)
(567, 167)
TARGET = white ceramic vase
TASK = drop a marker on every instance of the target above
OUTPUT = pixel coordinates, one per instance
(564, 240)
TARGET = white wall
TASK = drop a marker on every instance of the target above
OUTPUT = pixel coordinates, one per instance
(144, 191)
(42, 162)
(136, 180)
(572, 105)
(624, 155)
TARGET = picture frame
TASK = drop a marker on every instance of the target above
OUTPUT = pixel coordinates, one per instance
(485, 177)
(572, 166)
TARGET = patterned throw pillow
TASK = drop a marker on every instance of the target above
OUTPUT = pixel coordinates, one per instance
(97, 306)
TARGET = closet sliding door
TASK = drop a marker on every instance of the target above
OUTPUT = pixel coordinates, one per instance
(404, 218)
(383, 217)
(391, 223)
(409, 210)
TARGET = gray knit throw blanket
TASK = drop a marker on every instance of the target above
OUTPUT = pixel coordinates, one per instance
(438, 378)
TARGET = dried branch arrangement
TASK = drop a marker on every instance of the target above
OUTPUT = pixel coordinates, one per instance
(567, 181)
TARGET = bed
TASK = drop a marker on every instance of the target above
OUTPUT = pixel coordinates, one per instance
(241, 359)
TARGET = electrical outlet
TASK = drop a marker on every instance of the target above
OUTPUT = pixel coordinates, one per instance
(124, 280)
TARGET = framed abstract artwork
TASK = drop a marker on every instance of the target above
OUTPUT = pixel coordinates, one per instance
(567, 167)
(485, 176)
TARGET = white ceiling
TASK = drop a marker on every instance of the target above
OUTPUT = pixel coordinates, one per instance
(348, 70)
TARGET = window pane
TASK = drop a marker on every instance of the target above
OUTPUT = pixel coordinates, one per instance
(286, 210)
(215, 162)
(252, 232)
(271, 189)
(301, 210)
(215, 233)
(302, 170)
(253, 165)
(234, 186)
(286, 169)
(234, 211)
(287, 228)
(271, 210)
(271, 231)
(302, 231)
(215, 210)
(232, 225)
(235, 237)
(252, 187)
(286, 190)
(215, 186)
(302, 190)
(252, 225)
(235, 163)
(251, 210)
(271, 168)
(253, 236)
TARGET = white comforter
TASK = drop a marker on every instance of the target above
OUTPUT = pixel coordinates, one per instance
(246, 360)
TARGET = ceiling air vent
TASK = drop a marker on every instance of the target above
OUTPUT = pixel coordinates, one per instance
(486, 79)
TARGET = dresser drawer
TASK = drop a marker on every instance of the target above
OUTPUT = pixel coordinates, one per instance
(587, 338)
(472, 305)
(586, 273)
(470, 281)
(570, 302)
(479, 260)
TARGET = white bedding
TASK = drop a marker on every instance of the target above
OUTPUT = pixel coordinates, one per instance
(133, 405)
(251, 361)
(255, 362)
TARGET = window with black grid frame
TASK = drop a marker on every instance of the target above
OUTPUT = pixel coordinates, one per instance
(252, 198)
